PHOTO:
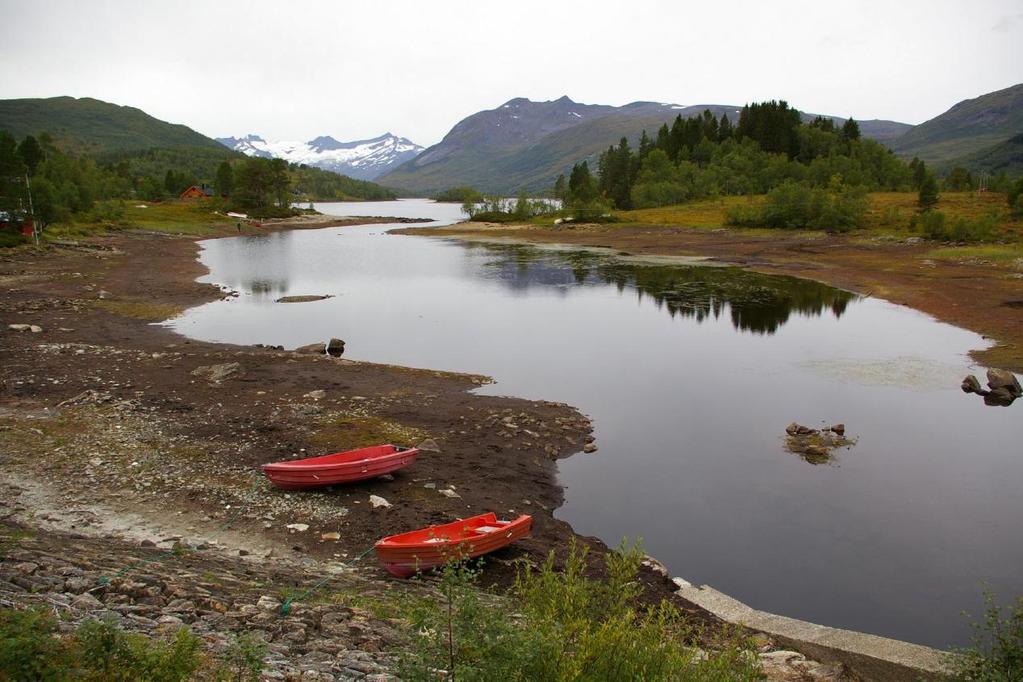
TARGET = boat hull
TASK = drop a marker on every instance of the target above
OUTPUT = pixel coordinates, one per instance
(339, 468)
(421, 550)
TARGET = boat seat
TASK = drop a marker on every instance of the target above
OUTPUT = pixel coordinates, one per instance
(486, 529)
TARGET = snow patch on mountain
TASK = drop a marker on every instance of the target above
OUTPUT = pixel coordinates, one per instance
(361, 159)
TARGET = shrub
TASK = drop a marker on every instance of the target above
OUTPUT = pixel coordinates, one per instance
(105, 649)
(795, 206)
(563, 626)
(29, 647)
(997, 652)
(959, 229)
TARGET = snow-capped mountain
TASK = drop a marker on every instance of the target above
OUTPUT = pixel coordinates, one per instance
(362, 159)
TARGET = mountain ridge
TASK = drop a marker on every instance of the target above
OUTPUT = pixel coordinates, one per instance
(966, 129)
(524, 145)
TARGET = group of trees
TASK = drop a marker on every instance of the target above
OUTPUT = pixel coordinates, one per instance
(704, 156)
(815, 173)
(65, 187)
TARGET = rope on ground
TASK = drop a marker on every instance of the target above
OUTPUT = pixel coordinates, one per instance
(103, 581)
(286, 606)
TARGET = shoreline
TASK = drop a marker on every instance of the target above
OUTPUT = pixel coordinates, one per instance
(983, 297)
(259, 529)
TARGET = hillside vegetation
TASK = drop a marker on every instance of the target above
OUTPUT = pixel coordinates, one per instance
(91, 126)
(969, 127)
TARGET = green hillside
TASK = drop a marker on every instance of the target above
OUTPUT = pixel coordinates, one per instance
(970, 127)
(1003, 157)
(91, 126)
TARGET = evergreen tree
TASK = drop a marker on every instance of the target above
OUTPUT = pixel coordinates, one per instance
(646, 145)
(581, 188)
(725, 130)
(560, 188)
(225, 179)
(928, 197)
(31, 153)
(851, 129)
(959, 180)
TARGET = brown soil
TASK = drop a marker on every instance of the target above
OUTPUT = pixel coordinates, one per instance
(105, 411)
(970, 293)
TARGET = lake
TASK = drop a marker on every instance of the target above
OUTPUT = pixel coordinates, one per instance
(690, 374)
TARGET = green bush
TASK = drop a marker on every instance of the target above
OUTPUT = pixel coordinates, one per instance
(796, 206)
(936, 225)
(112, 654)
(100, 651)
(997, 652)
(562, 625)
(10, 238)
(29, 647)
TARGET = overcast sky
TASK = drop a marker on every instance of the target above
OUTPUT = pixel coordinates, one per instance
(298, 69)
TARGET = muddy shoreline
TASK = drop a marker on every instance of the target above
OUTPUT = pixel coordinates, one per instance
(116, 416)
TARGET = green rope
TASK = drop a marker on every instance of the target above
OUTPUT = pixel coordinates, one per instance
(105, 580)
(286, 606)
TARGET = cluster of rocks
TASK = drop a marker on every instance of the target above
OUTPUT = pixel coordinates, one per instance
(304, 298)
(1003, 387)
(145, 590)
(533, 432)
(816, 445)
(335, 348)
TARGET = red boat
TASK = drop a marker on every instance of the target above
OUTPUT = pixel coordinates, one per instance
(341, 467)
(423, 549)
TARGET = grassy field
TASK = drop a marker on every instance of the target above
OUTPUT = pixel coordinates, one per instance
(172, 216)
(888, 212)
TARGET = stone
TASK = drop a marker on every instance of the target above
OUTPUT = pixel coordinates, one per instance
(303, 299)
(335, 348)
(87, 602)
(19, 327)
(332, 537)
(298, 527)
(1000, 378)
(1001, 396)
(792, 429)
(35, 328)
(318, 394)
(218, 373)
(838, 429)
(971, 384)
(268, 603)
(26, 567)
(590, 447)
(448, 492)
(429, 445)
(378, 501)
(312, 349)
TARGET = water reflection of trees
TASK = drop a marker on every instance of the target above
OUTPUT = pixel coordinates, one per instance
(755, 302)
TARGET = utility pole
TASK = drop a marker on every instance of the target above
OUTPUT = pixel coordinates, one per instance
(32, 212)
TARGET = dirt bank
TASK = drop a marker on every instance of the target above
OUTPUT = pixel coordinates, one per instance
(981, 295)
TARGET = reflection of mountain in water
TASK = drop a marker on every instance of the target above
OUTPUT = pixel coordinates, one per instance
(755, 302)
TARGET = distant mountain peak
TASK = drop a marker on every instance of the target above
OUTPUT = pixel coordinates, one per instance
(360, 159)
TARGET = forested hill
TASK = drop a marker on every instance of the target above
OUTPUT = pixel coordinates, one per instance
(965, 130)
(524, 145)
(95, 127)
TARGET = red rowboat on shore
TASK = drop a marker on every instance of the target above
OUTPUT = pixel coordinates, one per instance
(423, 549)
(340, 467)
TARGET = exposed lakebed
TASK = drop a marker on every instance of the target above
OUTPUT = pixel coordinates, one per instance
(690, 374)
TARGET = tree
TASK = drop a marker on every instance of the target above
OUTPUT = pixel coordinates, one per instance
(280, 183)
(928, 197)
(31, 153)
(851, 129)
(225, 179)
(560, 188)
(959, 180)
(582, 189)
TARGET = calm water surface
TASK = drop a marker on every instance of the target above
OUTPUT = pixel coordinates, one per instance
(690, 375)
